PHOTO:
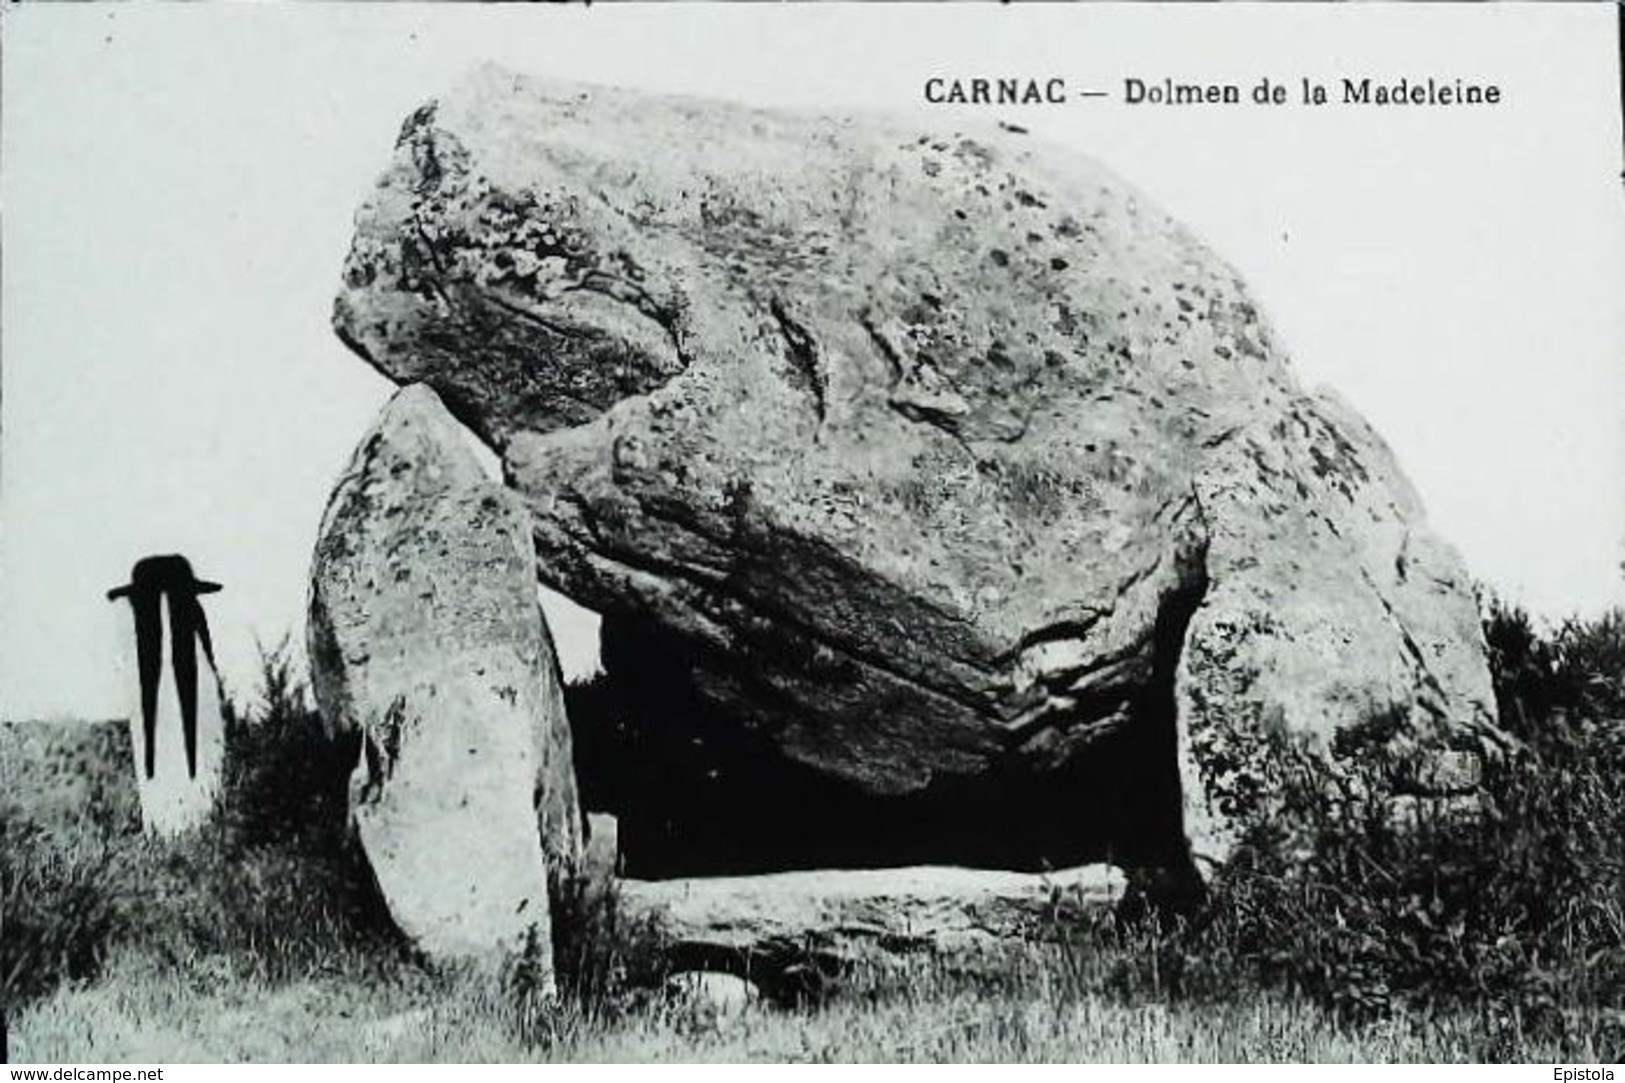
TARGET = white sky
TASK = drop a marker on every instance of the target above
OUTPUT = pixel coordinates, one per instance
(178, 184)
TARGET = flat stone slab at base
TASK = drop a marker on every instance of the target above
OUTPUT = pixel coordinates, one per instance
(795, 929)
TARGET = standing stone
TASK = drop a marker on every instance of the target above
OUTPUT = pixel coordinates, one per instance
(177, 716)
(1331, 611)
(931, 479)
(427, 638)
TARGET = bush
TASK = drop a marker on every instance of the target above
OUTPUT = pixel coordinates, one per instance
(62, 905)
(274, 877)
(286, 778)
(1578, 670)
(271, 882)
(599, 953)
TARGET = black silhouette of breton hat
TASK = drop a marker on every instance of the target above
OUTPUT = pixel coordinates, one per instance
(152, 579)
(170, 574)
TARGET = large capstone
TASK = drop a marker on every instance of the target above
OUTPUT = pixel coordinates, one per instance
(427, 639)
(945, 500)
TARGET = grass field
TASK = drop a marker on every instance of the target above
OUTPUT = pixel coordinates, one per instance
(138, 1012)
(1500, 938)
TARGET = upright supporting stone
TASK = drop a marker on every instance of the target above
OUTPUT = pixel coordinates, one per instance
(177, 726)
(426, 637)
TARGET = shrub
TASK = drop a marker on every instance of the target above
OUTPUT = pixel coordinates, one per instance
(286, 777)
(274, 877)
(1578, 670)
(600, 953)
(270, 882)
(272, 911)
(63, 903)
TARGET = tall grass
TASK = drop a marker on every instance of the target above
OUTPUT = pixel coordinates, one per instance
(269, 884)
(1505, 928)
(1514, 914)
(60, 908)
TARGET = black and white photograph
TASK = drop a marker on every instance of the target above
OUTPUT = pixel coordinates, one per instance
(861, 533)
